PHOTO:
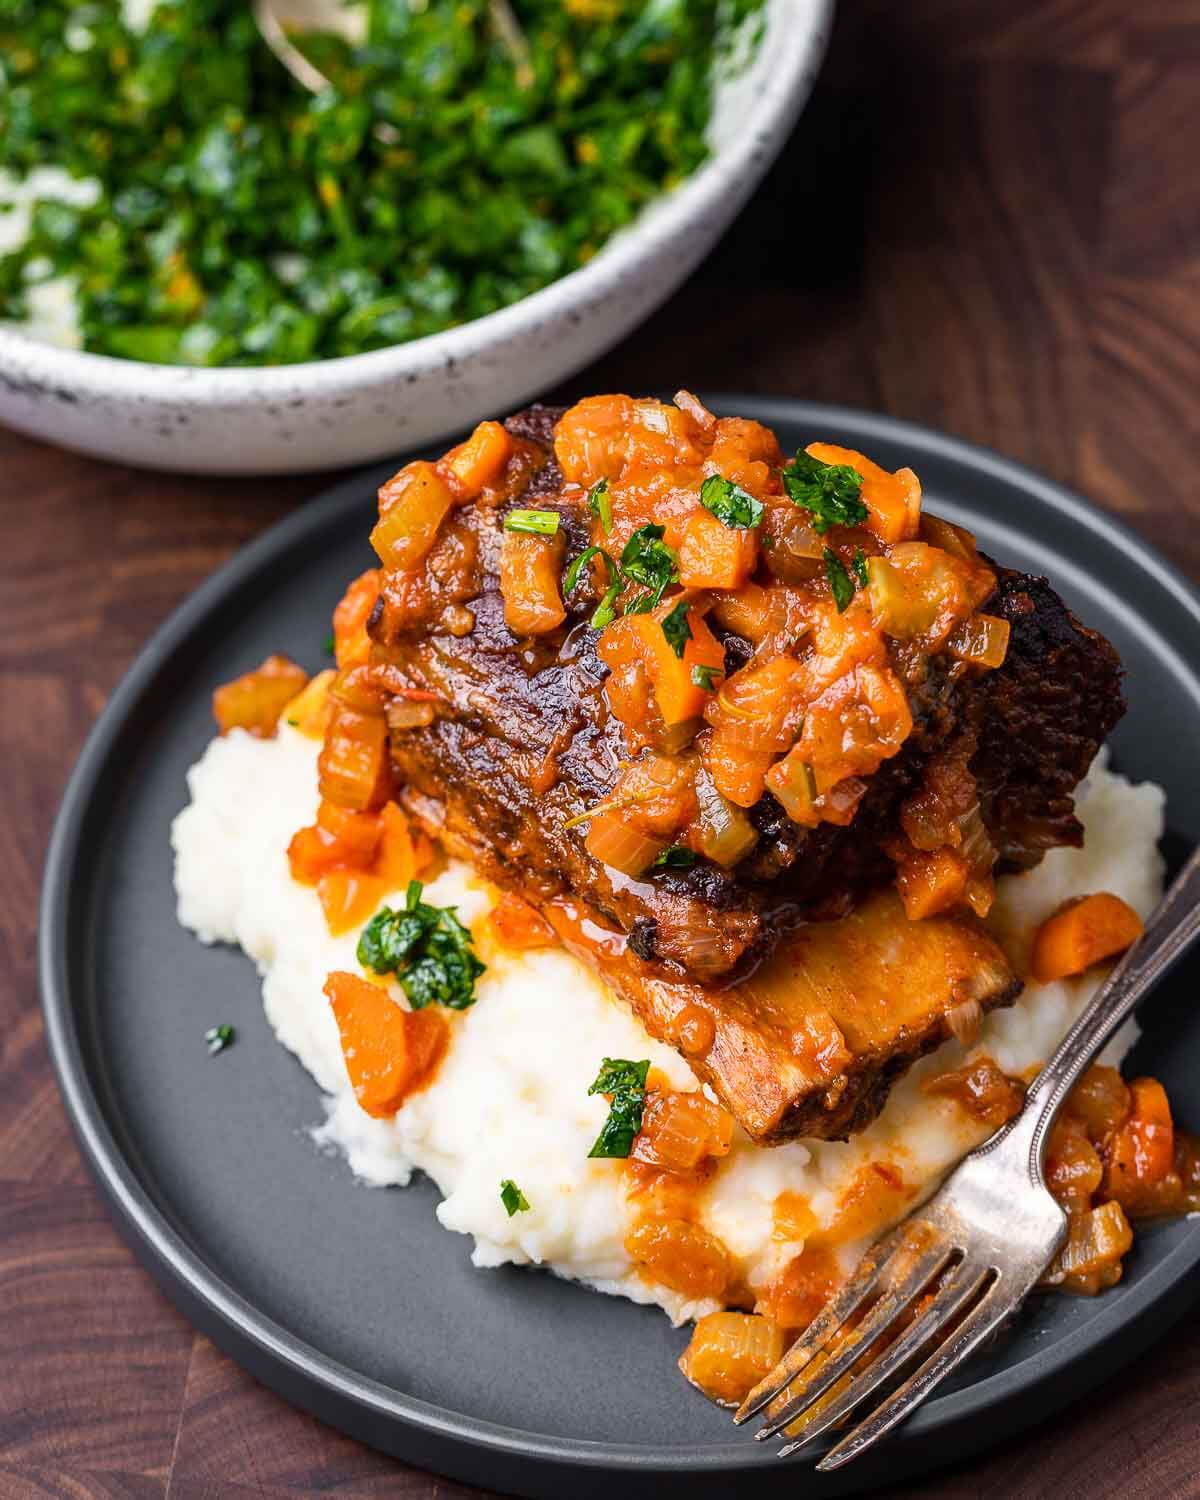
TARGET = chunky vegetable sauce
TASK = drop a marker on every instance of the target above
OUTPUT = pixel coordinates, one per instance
(838, 593)
(242, 221)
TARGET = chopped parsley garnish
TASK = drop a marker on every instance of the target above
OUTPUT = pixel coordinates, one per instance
(219, 1037)
(605, 611)
(676, 628)
(427, 948)
(859, 568)
(571, 576)
(675, 858)
(535, 522)
(625, 1084)
(831, 492)
(646, 559)
(514, 1200)
(330, 644)
(600, 504)
(839, 580)
(702, 677)
(733, 506)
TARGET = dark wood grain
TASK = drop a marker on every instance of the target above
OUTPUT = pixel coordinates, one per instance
(988, 220)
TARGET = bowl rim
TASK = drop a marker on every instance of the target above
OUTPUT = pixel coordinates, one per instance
(803, 34)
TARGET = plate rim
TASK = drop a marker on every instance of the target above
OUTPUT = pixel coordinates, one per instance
(305, 1374)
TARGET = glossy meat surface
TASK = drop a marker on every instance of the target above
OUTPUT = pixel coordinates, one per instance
(523, 742)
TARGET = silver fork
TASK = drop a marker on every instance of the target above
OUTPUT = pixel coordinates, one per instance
(986, 1237)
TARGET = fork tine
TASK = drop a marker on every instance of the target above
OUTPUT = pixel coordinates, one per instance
(815, 1380)
(982, 1321)
(950, 1298)
(824, 1325)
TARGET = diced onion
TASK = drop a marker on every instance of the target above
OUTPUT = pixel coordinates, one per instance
(964, 1020)
(618, 843)
(1097, 1238)
(409, 713)
(680, 1255)
(729, 1353)
(981, 640)
(356, 688)
(673, 738)
(950, 538)
(695, 409)
(255, 700)
(797, 553)
(726, 833)
(680, 1130)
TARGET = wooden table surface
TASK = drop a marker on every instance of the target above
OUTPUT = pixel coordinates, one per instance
(988, 220)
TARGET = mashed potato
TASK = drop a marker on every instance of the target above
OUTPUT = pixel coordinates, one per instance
(510, 1099)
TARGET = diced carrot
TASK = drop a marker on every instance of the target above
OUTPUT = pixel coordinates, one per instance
(760, 707)
(641, 638)
(396, 863)
(412, 506)
(310, 709)
(1081, 934)
(729, 1353)
(738, 774)
(255, 701)
(480, 460)
(530, 568)
(592, 438)
(389, 1052)
(314, 851)
(351, 642)
(715, 556)
(931, 883)
(353, 763)
(360, 832)
(349, 898)
(892, 500)
(517, 925)
(423, 851)
(1142, 1151)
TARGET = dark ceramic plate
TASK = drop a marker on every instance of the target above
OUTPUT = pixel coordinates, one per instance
(356, 1304)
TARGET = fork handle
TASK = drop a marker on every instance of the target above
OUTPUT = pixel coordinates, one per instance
(1172, 928)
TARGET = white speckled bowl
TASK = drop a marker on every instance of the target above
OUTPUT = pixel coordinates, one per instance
(343, 411)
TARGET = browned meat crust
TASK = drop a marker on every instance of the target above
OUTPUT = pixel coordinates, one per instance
(523, 742)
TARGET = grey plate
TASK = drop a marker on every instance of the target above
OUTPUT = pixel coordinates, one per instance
(354, 1303)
